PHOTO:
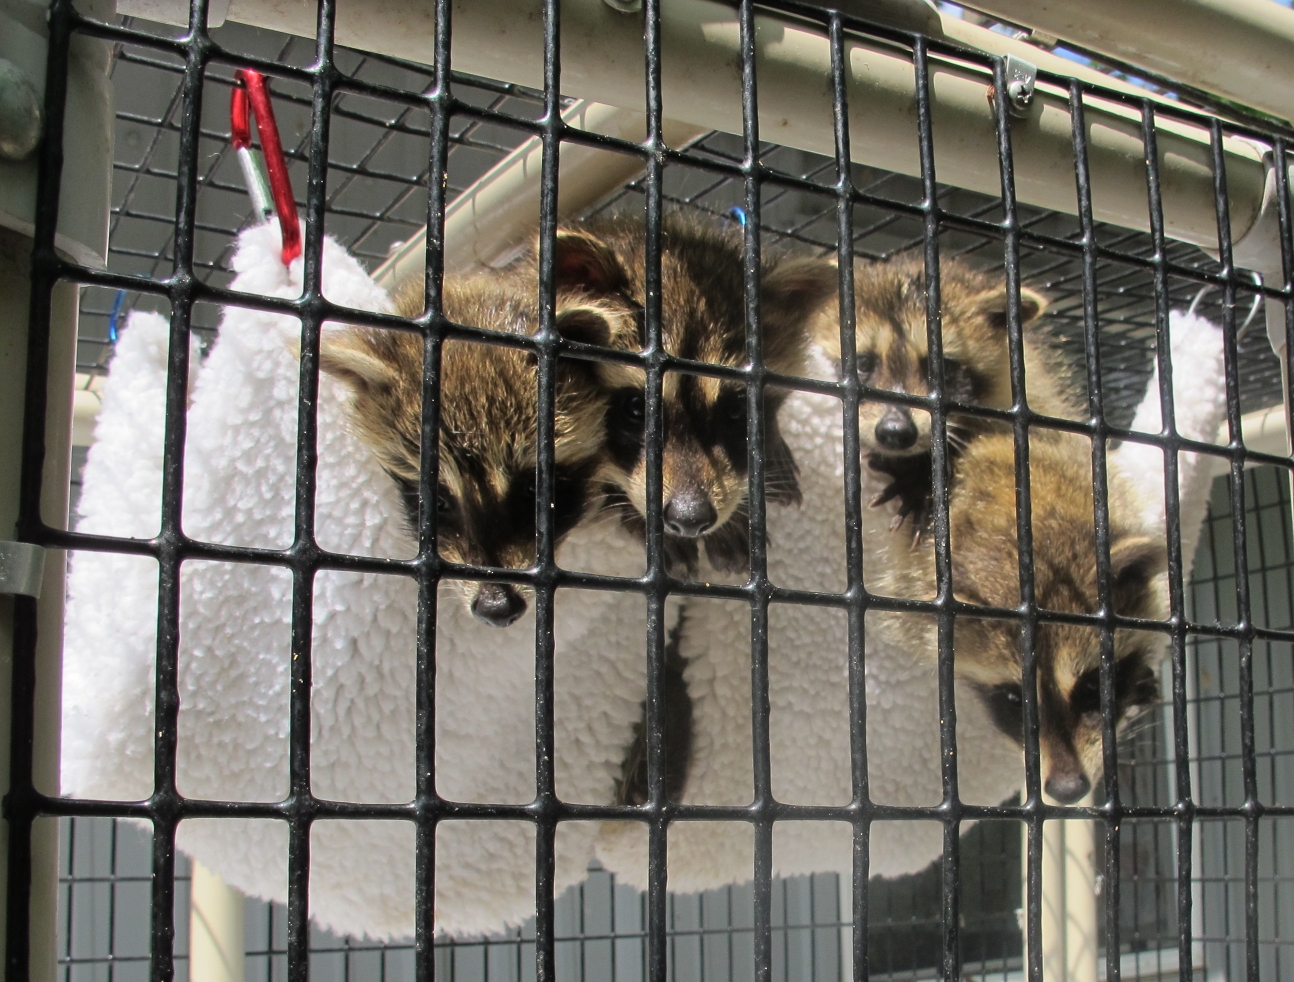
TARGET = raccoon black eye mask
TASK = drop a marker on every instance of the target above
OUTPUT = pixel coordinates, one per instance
(704, 421)
(891, 332)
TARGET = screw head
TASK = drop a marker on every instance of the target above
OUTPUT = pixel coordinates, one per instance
(1020, 93)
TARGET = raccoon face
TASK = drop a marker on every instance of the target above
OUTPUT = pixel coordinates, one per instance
(1069, 705)
(703, 466)
(704, 456)
(892, 353)
(985, 571)
(486, 496)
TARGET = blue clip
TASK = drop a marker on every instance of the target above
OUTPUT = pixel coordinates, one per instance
(739, 213)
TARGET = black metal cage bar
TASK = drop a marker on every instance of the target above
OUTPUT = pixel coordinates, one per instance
(1003, 223)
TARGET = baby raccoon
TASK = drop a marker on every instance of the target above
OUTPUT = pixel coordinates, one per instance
(485, 501)
(985, 571)
(890, 337)
(703, 319)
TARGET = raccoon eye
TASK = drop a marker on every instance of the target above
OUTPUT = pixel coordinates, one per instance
(630, 407)
(1086, 697)
(736, 408)
(1006, 706)
(865, 362)
(961, 384)
(444, 504)
(1135, 683)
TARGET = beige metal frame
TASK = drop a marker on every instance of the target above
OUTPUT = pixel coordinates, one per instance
(1238, 50)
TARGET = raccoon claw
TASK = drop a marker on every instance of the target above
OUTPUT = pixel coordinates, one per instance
(918, 513)
(889, 494)
(918, 533)
(911, 485)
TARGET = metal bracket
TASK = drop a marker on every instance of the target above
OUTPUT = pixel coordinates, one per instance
(1021, 76)
(22, 567)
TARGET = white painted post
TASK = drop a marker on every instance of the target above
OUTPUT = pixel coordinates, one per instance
(216, 944)
(846, 926)
(1069, 921)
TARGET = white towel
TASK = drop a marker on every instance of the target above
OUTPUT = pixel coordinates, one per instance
(110, 632)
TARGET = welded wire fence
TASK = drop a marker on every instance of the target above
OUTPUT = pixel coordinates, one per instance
(173, 253)
(105, 865)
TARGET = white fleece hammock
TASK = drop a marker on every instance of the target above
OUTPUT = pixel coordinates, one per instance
(234, 657)
(808, 681)
(235, 631)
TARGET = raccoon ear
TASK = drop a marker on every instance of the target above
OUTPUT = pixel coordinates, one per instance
(796, 288)
(794, 295)
(994, 305)
(584, 325)
(583, 261)
(1135, 560)
(346, 357)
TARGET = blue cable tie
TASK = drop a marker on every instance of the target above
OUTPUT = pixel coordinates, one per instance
(739, 213)
(116, 312)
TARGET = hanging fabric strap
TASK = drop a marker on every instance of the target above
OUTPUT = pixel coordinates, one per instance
(251, 98)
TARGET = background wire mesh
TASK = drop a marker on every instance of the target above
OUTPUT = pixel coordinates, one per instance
(377, 198)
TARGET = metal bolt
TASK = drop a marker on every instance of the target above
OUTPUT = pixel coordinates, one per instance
(20, 116)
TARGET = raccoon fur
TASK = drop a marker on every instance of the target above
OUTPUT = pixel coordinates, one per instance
(703, 318)
(485, 498)
(892, 355)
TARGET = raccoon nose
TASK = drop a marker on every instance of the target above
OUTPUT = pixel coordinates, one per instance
(1067, 786)
(498, 604)
(895, 430)
(689, 513)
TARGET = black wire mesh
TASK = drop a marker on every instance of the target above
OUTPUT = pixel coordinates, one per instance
(600, 926)
(370, 202)
(377, 186)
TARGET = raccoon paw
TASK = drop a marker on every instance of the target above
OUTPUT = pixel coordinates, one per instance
(728, 547)
(912, 485)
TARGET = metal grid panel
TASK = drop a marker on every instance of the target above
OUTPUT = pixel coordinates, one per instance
(1156, 270)
(600, 928)
(600, 925)
(1125, 292)
(377, 181)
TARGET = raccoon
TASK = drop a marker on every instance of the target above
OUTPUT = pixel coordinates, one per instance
(890, 337)
(703, 318)
(485, 501)
(985, 571)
